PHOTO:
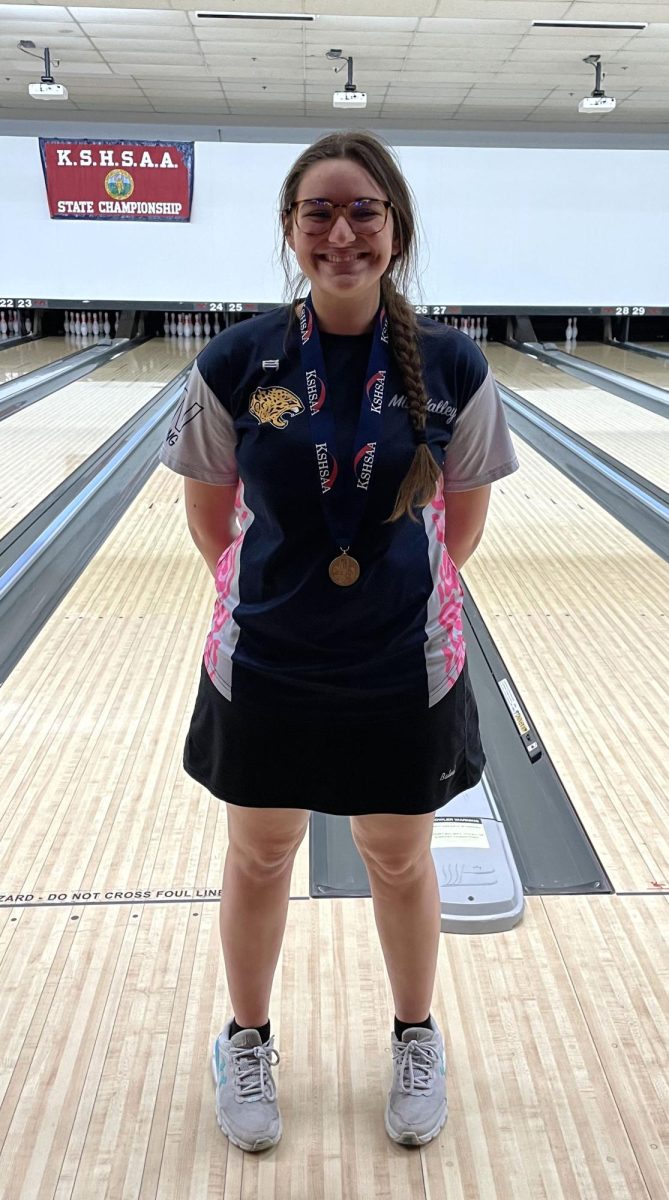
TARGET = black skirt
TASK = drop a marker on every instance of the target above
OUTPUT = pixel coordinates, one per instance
(341, 766)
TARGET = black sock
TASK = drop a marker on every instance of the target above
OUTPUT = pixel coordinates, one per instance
(263, 1030)
(400, 1026)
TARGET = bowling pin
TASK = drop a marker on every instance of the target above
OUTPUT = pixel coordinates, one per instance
(484, 330)
(197, 327)
(17, 323)
(180, 326)
(207, 326)
(166, 325)
(77, 323)
(217, 328)
(29, 325)
(173, 326)
(3, 323)
(568, 333)
(472, 330)
(84, 325)
(66, 322)
(478, 329)
(96, 325)
(574, 330)
(188, 329)
(107, 326)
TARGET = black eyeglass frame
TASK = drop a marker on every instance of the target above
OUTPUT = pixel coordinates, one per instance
(387, 204)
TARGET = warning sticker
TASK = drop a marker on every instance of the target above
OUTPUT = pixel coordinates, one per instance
(514, 707)
(459, 832)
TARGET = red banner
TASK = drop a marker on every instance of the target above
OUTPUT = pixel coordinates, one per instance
(117, 181)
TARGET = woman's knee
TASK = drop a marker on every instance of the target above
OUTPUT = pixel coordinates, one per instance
(266, 839)
(393, 843)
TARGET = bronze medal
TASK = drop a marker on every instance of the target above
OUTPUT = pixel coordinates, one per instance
(344, 570)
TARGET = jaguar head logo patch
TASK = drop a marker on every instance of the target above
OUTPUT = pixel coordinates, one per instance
(274, 406)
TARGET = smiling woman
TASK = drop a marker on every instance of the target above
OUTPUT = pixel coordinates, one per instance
(337, 227)
(345, 422)
(336, 684)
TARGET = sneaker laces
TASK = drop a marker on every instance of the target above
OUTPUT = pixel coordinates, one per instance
(416, 1062)
(253, 1071)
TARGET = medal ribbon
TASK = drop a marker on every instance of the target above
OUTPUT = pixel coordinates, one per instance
(343, 519)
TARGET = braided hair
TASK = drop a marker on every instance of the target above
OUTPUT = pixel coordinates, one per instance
(376, 157)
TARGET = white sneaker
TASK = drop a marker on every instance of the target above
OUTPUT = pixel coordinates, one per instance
(246, 1105)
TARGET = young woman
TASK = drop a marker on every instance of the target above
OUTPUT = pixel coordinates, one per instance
(355, 445)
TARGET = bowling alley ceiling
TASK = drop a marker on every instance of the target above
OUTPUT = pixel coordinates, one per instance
(424, 64)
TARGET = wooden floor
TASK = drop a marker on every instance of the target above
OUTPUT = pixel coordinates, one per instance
(19, 360)
(639, 366)
(628, 432)
(76, 419)
(556, 1037)
(557, 1032)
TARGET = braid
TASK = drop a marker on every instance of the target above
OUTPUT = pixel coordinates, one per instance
(419, 484)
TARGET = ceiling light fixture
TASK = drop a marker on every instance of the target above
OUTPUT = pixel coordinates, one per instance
(591, 24)
(245, 16)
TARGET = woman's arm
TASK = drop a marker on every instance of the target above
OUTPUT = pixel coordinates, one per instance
(210, 511)
(465, 517)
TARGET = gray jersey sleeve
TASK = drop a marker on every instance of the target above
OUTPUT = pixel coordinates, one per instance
(201, 440)
(480, 449)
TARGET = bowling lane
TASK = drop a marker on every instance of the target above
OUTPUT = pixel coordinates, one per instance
(42, 444)
(19, 360)
(637, 438)
(578, 608)
(96, 712)
(650, 370)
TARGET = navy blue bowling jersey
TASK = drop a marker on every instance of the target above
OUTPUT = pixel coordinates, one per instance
(282, 632)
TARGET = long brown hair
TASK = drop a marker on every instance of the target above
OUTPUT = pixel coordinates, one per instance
(377, 158)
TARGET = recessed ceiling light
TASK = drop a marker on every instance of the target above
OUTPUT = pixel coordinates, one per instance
(592, 24)
(245, 16)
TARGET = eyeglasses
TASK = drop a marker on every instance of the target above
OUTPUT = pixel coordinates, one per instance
(318, 216)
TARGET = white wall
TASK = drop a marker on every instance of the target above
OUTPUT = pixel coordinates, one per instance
(501, 226)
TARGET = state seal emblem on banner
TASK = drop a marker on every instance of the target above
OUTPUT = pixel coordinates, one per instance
(119, 184)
